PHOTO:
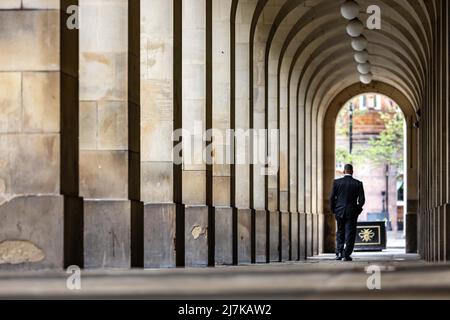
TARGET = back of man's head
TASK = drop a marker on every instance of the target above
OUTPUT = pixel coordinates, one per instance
(348, 169)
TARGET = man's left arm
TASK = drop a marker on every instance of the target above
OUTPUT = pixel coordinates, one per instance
(361, 196)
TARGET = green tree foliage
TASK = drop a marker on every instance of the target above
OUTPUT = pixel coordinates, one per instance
(343, 156)
(387, 147)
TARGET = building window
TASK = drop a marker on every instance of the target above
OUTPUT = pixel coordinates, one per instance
(378, 102)
(362, 102)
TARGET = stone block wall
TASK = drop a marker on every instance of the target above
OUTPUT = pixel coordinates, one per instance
(39, 204)
(109, 131)
(88, 170)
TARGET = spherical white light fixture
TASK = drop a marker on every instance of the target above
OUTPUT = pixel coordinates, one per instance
(366, 78)
(364, 68)
(355, 28)
(350, 9)
(360, 43)
(362, 56)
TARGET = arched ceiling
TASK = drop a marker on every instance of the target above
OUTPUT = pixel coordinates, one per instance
(314, 52)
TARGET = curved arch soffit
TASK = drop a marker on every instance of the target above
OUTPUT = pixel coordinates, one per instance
(357, 89)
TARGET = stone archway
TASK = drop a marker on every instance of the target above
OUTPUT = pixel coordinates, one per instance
(329, 134)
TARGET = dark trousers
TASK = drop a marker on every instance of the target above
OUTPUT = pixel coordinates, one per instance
(346, 236)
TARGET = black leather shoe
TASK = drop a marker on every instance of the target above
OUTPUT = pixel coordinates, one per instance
(348, 259)
(339, 257)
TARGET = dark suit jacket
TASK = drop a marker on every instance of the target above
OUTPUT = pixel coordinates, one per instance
(347, 199)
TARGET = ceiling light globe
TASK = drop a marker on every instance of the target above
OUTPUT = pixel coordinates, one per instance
(350, 9)
(355, 28)
(364, 68)
(362, 56)
(360, 43)
(366, 78)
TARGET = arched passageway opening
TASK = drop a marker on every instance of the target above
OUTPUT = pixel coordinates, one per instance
(410, 158)
(370, 135)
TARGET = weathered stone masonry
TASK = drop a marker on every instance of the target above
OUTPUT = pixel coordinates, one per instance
(40, 204)
(87, 166)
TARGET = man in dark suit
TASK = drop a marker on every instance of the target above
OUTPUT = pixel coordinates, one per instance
(347, 202)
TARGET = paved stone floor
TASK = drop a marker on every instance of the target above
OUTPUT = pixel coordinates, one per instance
(403, 277)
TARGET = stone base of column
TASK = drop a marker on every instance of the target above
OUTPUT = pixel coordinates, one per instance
(329, 241)
(411, 233)
(73, 232)
(302, 236)
(223, 248)
(275, 232)
(244, 236)
(40, 232)
(285, 236)
(315, 219)
(309, 235)
(159, 235)
(108, 234)
(435, 234)
(261, 236)
(442, 234)
(447, 232)
(321, 232)
(294, 237)
(196, 252)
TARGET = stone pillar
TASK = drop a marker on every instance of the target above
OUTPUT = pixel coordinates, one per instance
(308, 183)
(193, 111)
(109, 133)
(219, 172)
(283, 181)
(444, 100)
(274, 220)
(240, 122)
(427, 171)
(40, 211)
(272, 180)
(301, 205)
(412, 190)
(284, 178)
(158, 115)
(293, 181)
(320, 190)
(314, 181)
(264, 71)
(303, 232)
(446, 138)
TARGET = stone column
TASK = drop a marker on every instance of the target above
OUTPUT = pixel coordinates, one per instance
(300, 147)
(219, 173)
(445, 85)
(158, 188)
(293, 179)
(283, 181)
(193, 111)
(329, 172)
(443, 52)
(315, 182)
(40, 211)
(272, 180)
(257, 124)
(109, 133)
(240, 122)
(310, 219)
(320, 193)
(266, 54)
(412, 191)
(443, 97)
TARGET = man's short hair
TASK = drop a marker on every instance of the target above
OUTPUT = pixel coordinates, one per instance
(348, 168)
